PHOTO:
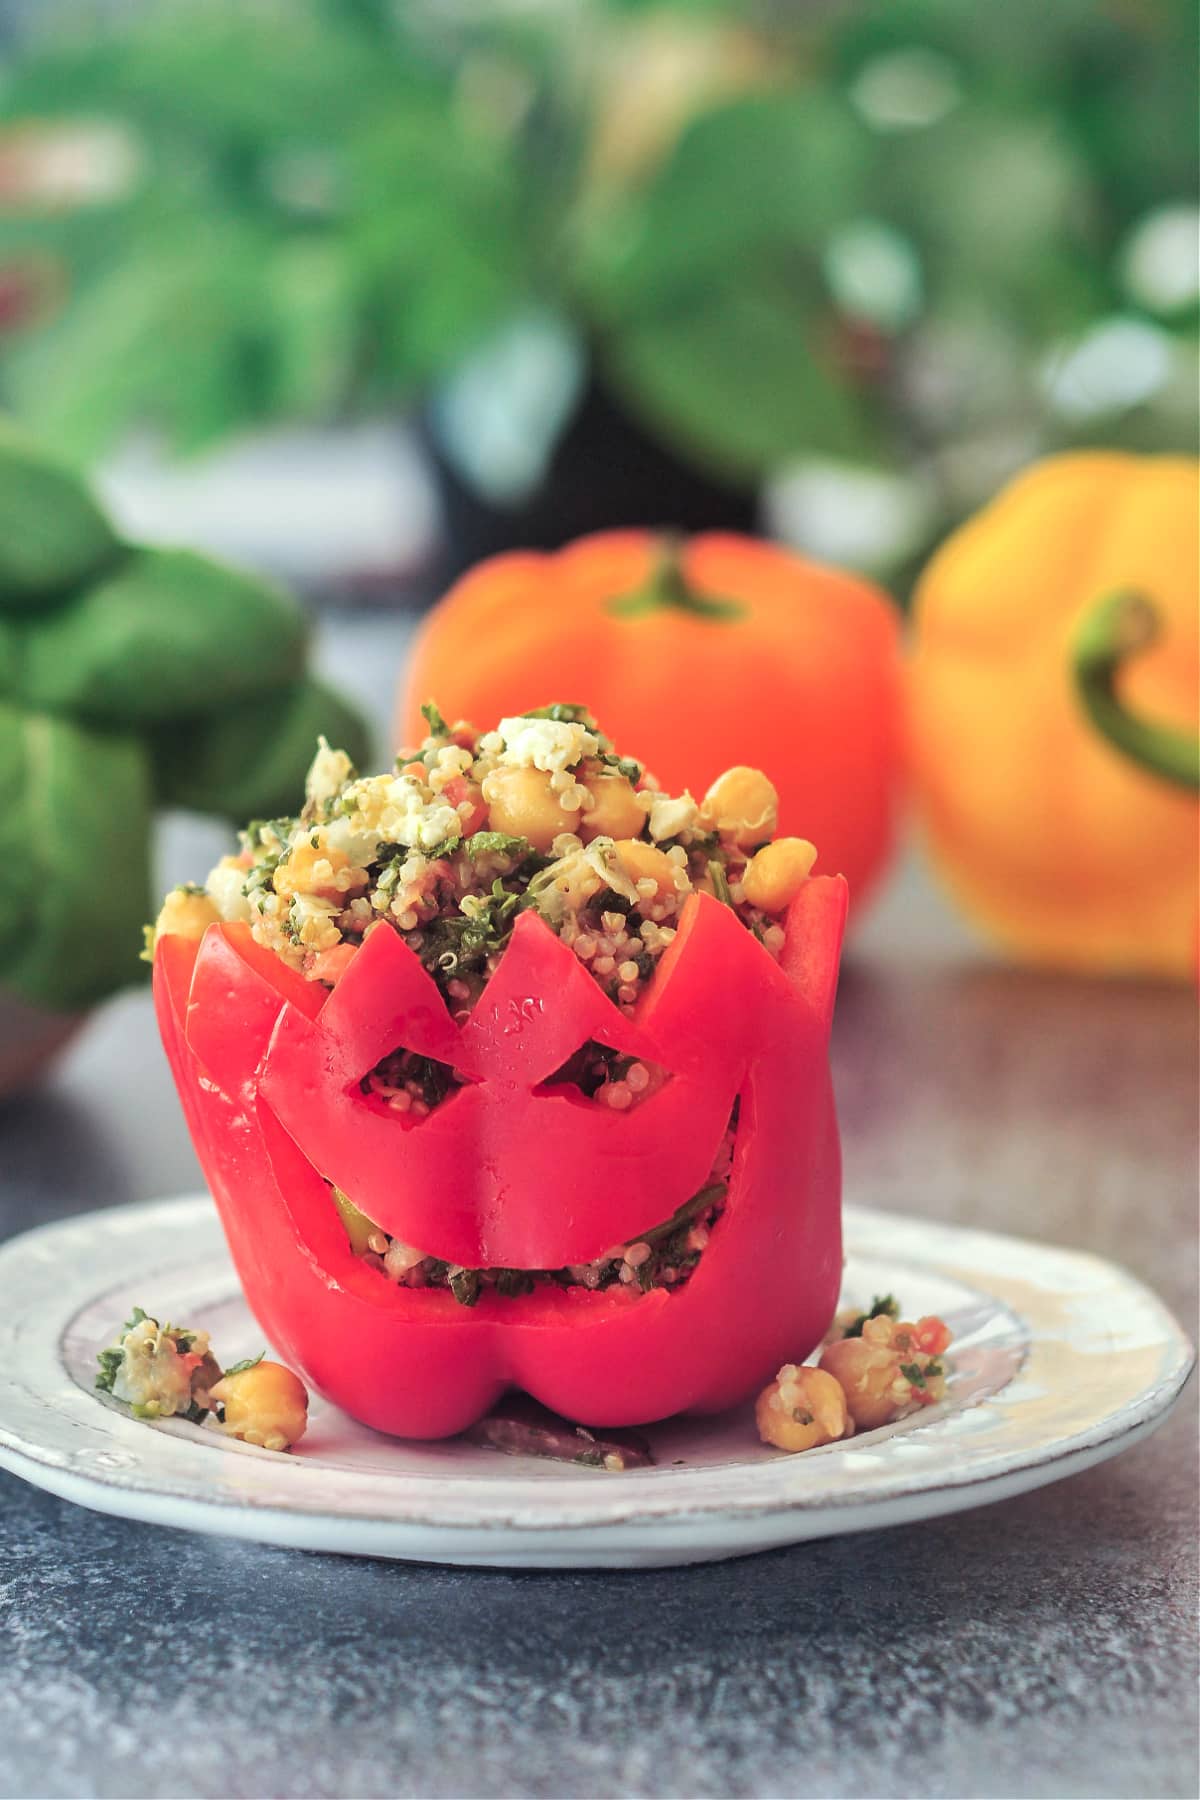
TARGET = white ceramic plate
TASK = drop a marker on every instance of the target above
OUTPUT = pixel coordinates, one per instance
(1059, 1361)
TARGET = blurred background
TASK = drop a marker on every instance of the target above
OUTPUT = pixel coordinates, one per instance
(352, 293)
(357, 291)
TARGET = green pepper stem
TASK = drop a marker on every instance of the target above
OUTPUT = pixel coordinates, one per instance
(669, 590)
(1117, 628)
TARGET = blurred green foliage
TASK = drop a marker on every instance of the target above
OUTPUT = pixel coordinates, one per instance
(129, 678)
(877, 232)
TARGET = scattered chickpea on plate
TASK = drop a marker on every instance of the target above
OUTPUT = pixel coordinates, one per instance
(168, 1371)
(875, 1368)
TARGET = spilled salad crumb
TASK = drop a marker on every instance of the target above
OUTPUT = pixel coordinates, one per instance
(874, 1368)
(169, 1371)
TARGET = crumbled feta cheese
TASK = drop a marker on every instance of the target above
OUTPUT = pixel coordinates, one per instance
(668, 816)
(225, 889)
(390, 809)
(329, 771)
(452, 761)
(545, 744)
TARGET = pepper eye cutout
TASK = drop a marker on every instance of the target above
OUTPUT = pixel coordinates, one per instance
(412, 1085)
(605, 1076)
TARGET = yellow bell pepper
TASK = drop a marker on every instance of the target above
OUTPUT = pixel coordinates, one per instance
(1057, 808)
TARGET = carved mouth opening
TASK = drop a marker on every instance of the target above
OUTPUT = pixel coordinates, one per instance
(666, 1256)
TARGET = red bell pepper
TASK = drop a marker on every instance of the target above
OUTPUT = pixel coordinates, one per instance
(514, 1171)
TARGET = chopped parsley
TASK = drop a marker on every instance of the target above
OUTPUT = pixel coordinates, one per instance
(110, 1360)
(497, 843)
(447, 847)
(433, 718)
(464, 941)
(110, 1366)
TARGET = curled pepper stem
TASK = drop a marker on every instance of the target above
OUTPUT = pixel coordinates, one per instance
(1121, 626)
(669, 590)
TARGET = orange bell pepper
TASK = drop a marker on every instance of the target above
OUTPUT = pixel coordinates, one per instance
(1063, 839)
(705, 654)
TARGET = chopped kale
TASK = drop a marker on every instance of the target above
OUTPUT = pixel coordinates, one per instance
(450, 946)
(608, 900)
(464, 1285)
(512, 1283)
(669, 1241)
(259, 831)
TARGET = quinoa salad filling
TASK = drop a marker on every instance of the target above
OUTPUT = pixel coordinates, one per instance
(468, 830)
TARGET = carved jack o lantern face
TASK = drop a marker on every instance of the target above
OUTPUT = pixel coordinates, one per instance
(513, 1170)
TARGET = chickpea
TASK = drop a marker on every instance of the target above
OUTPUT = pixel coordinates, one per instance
(185, 914)
(265, 1404)
(642, 862)
(318, 869)
(801, 1409)
(741, 805)
(869, 1374)
(617, 812)
(777, 872)
(523, 803)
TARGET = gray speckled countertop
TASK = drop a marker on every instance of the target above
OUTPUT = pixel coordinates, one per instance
(1044, 1646)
